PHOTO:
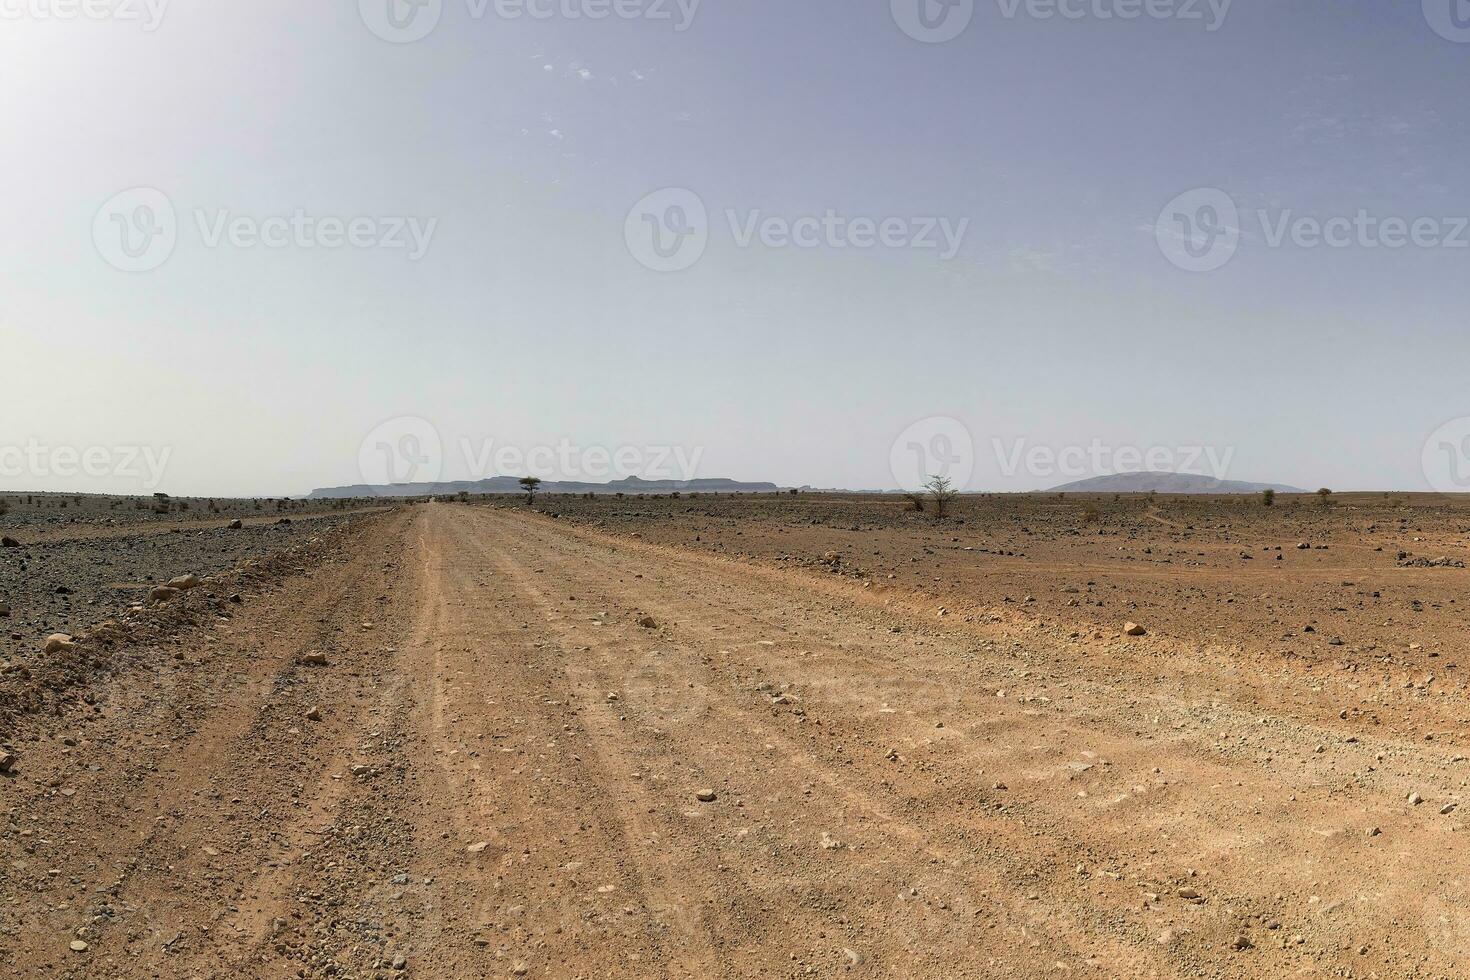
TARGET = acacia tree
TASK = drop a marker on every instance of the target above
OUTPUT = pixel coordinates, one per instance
(530, 484)
(1326, 496)
(942, 492)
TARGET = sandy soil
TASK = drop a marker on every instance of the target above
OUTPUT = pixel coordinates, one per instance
(543, 749)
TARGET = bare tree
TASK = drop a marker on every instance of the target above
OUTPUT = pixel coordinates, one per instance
(942, 491)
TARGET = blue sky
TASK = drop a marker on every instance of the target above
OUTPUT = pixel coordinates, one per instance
(529, 320)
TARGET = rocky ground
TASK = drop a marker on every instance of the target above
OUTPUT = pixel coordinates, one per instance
(715, 737)
(69, 575)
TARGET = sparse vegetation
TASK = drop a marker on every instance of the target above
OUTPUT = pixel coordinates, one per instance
(942, 492)
(1268, 497)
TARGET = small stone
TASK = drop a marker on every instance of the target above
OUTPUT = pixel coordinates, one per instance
(1133, 629)
(7, 761)
(78, 946)
(477, 847)
(1447, 809)
(648, 622)
(163, 593)
(236, 524)
(314, 659)
(400, 963)
(1415, 799)
(313, 713)
(1374, 831)
(705, 796)
(9, 542)
(184, 582)
(58, 643)
(4, 608)
(1242, 942)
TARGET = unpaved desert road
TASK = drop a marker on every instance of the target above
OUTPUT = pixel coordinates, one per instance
(518, 720)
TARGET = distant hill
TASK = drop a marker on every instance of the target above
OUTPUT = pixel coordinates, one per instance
(511, 484)
(1168, 483)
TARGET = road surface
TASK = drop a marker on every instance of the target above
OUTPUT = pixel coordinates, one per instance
(539, 751)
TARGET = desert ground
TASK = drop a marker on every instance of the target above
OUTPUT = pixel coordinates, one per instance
(775, 736)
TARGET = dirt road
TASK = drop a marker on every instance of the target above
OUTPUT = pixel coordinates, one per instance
(516, 724)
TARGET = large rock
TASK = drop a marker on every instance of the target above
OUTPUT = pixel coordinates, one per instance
(185, 582)
(58, 643)
(9, 542)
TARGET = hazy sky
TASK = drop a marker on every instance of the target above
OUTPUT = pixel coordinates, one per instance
(531, 309)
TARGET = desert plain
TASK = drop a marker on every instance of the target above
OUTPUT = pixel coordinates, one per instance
(748, 736)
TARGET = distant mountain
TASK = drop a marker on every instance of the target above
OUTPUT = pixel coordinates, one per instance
(511, 484)
(1168, 483)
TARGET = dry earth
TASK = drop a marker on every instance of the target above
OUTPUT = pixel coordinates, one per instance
(731, 745)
